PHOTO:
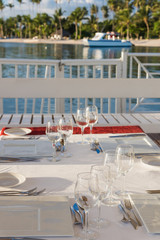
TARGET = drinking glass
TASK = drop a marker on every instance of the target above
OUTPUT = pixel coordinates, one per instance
(102, 192)
(86, 196)
(65, 129)
(53, 136)
(81, 120)
(111, 172)
(92, 118)
(125, 160)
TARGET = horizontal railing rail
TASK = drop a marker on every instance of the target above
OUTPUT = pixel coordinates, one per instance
(57, 86)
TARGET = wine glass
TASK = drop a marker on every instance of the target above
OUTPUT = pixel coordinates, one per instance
(125, 160)
(53, 136)
(86, 196)
(102, 192)
(81, 120)
(111, 172)
(92, 118)
(65, 129)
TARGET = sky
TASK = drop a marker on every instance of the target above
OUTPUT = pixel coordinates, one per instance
(48, 6)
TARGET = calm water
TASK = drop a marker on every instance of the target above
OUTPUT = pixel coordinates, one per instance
(58, 51)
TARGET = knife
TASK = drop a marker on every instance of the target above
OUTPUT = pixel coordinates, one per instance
(128, 135)
(18, 159)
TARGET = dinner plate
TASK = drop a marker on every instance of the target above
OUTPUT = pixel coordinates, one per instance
(147, 207)
(17, 131)
(151, 160)
(40, 216)
(9, 179)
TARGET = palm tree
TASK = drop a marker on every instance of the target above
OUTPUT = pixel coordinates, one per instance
(92, 22)
(2, 6)
(105, 12)
(76, 17)
(36, 2)
(58, 15)
(144, 8)
(94, 10)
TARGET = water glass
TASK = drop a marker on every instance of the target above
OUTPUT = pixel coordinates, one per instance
(102, 192)
(81, 120)
(111, 172)
(53, 136)
(92, 118)
(65, 129)
(86, 196)
(125, 160)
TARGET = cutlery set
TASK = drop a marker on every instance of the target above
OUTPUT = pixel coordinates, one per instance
(78, 216)
(129, 214)
(31, 192)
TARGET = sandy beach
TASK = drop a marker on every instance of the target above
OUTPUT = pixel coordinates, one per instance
(143, 42)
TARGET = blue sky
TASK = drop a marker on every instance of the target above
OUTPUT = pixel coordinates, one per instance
(48, 6)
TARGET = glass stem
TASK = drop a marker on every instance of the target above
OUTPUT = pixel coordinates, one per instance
(124, 185)
(82, 132)
(99, 212)
(86, 224)
(91, 128)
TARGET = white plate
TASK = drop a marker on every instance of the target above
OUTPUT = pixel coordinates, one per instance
(9, 179)
(141, 144)
(147, 206)
(41, 216)
(151, 160)
(17, 131)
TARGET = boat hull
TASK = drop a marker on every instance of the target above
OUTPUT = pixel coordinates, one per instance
(107, 43)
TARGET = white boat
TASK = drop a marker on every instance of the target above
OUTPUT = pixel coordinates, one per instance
(99, 40)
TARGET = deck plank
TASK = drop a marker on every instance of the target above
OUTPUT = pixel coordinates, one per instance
(110, 119)
(37, 119)
(5, 119)
(121, 119)
(151, 118)
(140, 118)
(47, 118)
(26, 120)
(16, 119)
(130, 118)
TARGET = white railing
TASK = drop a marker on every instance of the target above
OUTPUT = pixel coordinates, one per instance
(50, 83)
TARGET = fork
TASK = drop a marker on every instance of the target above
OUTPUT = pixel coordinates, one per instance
(36, 193)
(128, 205)
(18, 192)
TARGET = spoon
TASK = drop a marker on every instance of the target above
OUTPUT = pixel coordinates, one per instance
(76, 208)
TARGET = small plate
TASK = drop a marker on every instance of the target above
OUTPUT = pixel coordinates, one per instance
(9, 179)
(17, 131)
(151, 160)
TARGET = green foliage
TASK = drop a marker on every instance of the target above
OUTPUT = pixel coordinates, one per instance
(131, 18)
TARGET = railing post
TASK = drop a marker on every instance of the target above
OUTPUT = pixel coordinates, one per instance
(59, 102)
(121, 102)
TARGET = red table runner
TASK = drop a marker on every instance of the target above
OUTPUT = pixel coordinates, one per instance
(96, 130)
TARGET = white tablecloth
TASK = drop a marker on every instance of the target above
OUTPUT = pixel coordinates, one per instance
(59, 178)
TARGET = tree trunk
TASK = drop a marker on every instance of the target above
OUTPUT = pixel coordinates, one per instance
(147, 25)
(76, 28)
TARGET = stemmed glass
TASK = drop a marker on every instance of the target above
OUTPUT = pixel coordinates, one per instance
(86, 196)
(102, 192)
(65, 128)
(53, 136)
(81, 120)
(112, 172)
(92, 117)
(125, 160)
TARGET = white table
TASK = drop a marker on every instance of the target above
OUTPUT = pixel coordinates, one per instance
(59, 178)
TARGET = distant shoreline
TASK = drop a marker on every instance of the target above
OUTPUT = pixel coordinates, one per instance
(142, 43)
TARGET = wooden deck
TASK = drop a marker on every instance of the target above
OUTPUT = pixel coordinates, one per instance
(149, 122)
